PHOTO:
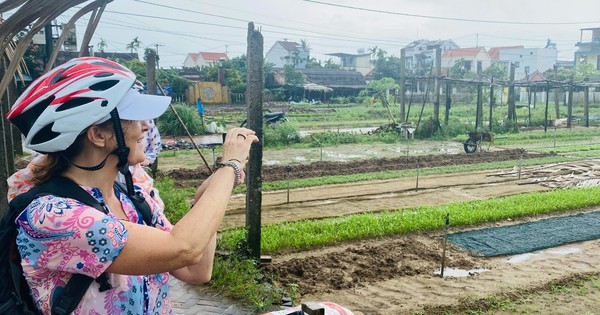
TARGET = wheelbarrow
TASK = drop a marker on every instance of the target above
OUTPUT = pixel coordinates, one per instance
(476, 139)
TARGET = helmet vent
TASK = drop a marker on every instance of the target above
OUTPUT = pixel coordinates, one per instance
(45, 134)
(75, 102)
(104, 85)
(27, 118)
(58, 77)
(103, 74)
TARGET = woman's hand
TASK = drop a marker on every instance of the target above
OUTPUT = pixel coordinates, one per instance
(236, 146)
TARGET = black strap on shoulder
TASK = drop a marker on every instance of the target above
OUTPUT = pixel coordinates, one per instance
(66, 188)
(139, 202)
(72, 294)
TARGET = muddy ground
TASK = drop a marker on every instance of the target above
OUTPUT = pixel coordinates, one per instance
(185, 177)
(400, 275)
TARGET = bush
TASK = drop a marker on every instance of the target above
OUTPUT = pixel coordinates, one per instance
(169, 125)
(281, 134)
(330, 138)
(427, 129)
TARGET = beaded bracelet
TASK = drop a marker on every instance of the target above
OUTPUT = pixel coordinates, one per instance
(236, 170)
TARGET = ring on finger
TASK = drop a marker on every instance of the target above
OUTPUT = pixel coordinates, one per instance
(241, 135)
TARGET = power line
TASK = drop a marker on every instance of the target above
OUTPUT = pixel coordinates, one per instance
(449, 18)
(246, 21)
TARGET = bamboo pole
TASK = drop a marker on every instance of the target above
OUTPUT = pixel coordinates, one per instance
(186, 130)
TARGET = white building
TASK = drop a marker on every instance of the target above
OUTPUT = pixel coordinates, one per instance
(420, 54)
(287, 53)
(529, 60)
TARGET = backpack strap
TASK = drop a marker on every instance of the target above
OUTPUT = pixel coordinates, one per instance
(61, 186)
(64, 187)
(139, 202)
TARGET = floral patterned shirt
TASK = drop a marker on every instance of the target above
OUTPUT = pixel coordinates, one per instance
(151, 142)
(22, 180)
(58, 237)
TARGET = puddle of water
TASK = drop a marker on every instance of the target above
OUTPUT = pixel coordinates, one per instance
(213, 139)
(341, 155)
(299, 158)
(319, 202)
(381, 196)
(304, 133)
(517, 259)
(460, 273)
(565, 251)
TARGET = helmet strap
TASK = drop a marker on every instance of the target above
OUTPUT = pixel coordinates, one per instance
(122, 152)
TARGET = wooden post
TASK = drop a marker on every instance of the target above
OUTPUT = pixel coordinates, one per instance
(547, 102)
(437, 87)
(254, 101)
(491, 103)
(570, 106)
(556, 95)
(586, 105)
(402, 85)
(448, 103)
(528, 106)
(479, 112)
(511, 95)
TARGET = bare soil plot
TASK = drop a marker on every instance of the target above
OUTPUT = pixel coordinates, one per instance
(398, 275)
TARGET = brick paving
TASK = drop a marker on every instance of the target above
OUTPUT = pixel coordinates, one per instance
(188, 299)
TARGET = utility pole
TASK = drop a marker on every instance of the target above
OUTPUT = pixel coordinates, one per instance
(157, 55)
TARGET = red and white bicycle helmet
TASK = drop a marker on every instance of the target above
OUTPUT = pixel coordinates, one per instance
(60, 105)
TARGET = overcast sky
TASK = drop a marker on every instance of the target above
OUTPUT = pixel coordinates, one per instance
(180, 27)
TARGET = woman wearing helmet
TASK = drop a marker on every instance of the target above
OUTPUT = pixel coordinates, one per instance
(89, 121)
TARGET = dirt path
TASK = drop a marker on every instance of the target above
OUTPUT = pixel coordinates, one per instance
(337, 200)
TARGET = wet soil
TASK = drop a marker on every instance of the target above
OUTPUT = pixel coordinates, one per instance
(400, 275)
(185, 177)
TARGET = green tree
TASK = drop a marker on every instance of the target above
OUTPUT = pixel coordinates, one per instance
(293, 79)
(459, 71)
(102, 45)
(329, 64)
(136, 66)
(134, 45)
(386, 67)
(496, 70)
(233, 77)
(373, 51)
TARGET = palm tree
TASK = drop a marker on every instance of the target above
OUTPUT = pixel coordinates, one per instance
(305, 46)
(134, 45)
(373, 50)
(102, 44)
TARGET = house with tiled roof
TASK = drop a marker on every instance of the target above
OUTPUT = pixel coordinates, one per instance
(193, 60)
(287, 53)
(419, 55)
(475, 59)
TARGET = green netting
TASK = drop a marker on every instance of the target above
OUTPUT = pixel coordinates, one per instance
(529, 236)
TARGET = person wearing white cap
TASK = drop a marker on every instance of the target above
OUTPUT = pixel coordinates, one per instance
(89, 122)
